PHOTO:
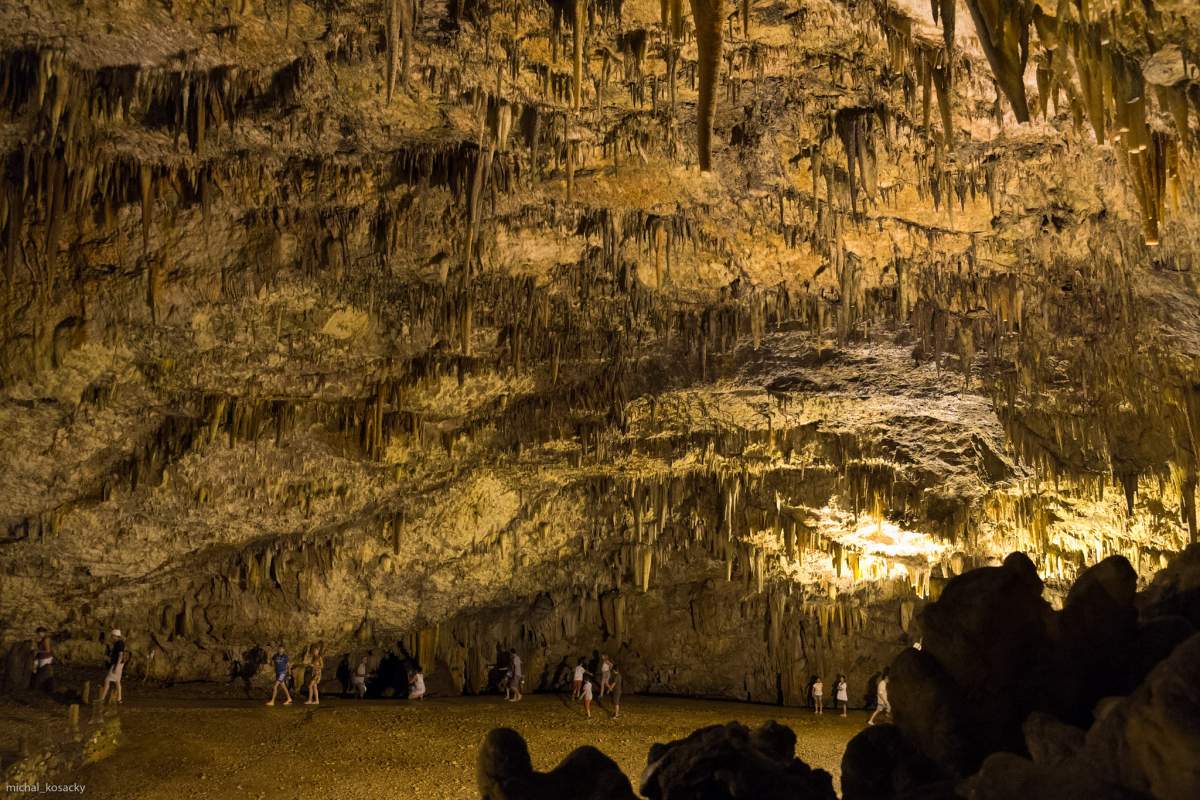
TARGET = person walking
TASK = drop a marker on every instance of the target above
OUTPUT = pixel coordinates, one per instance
(43, 662)
(515, 675)
(881, 698)
(314, 683)
(818, 691)
(587, 698)
(605, 670)
(842, 695)
(280, 662)
(117, 657)
(359, 682)
(577, 684)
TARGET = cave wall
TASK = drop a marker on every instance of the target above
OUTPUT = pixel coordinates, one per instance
(348, 320)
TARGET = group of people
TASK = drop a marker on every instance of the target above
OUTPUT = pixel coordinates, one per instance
(610, 682)
(312, 665)
(842, 696)
(585, 685)
(116, 656)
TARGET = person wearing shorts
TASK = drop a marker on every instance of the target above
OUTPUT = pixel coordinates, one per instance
(614, 691)
(280, 662)
(843, 695)
(577, 684)
(587, 698)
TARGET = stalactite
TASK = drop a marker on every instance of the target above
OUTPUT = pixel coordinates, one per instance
(709, 16)
(1003, 29)
(579, 29)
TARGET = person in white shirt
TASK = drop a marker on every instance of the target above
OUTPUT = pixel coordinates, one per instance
(359, 682)
(587, 698)
(881, 698)
(818, 696)
(515, 675)
(577, 684)
(843, 694)
(605, 671)
(416, 686)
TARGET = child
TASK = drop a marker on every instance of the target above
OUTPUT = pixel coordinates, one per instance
(843, 696)
(280, 662)
(587, 698)
(818, 691)
(881, 698)
(577, 686)
(416, 684)
(605, 671)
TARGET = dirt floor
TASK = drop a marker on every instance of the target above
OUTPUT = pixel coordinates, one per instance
(187, 745)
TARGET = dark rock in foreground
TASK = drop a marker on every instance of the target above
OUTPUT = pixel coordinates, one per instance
(505, 772)
(729, 762)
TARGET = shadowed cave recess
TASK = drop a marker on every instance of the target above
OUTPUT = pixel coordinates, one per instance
(719, 337)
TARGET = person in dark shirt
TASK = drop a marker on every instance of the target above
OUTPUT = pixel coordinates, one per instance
(116, 667)
(614, 690)
(280, 662)
(43, 662)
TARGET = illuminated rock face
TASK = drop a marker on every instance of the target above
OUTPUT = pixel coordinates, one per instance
(363, 321)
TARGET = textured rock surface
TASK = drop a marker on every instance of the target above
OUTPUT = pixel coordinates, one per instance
(725, 762)
(362, 321)
(953, 733)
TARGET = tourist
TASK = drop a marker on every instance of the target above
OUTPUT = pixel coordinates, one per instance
(577, 685)
(116, 668)
(881, 698)
(345, 676)
(359, 681)
(416, 685)
(843, 696)
(314, 682)
(587, 698)
(43, 662)
(818, 690)
(280, 662)
(614, 691)
(605, 671)
(514, 677)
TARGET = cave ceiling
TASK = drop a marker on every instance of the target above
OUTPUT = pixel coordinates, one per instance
(395, 310)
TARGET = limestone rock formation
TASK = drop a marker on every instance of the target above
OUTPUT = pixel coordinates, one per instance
(383, 324)
(728, 762)
(990, 707)
(505, 772)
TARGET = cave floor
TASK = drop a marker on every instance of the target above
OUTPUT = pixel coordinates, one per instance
(194, 747)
